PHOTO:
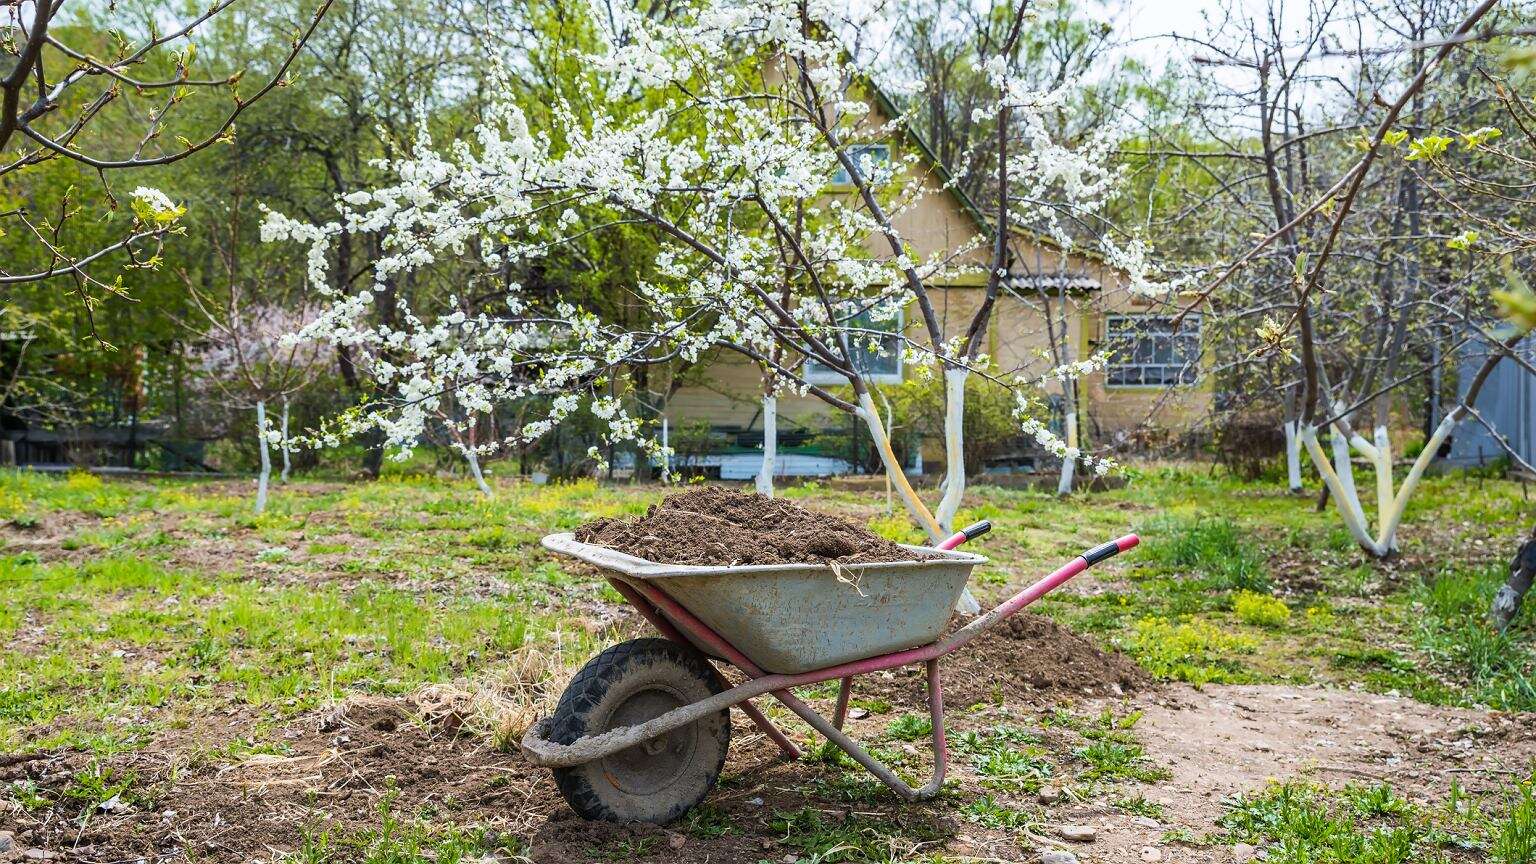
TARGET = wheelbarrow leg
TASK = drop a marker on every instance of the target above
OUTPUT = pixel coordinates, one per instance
(843, 692)
(774, 733)
(667, 629)
(874, 766)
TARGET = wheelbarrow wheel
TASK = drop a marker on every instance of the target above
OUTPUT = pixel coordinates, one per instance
(626, 685)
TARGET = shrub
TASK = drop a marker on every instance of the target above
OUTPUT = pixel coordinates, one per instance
(1260, 610)
(1248, 445)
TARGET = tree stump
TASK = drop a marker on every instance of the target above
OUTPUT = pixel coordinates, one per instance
(1522, 571)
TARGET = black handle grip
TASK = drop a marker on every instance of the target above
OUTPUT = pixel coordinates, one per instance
(971, 532)
(1101, 551)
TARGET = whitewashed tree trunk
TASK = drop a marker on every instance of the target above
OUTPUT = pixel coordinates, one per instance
(954, 449)
(915, 507)
(266, 458)
(1394, 517)
(666, 452)
(1345, 469)
(1068, 462)
(475, 472)
(1385, 540)
(287, 461)
(1325, 468)
(770, 446)
(1292, 457)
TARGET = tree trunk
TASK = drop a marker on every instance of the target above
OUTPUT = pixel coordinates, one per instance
(954, 449)
(1292, 457)
(1345, 468)
(287, 461)
(1069, 461)
(474, 471)
(266, 459)
(770, 446)
(1522, 570)
(914, 505)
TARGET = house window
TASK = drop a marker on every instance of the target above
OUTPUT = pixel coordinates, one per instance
(1144, 351)
(879, 155)
(878, 357)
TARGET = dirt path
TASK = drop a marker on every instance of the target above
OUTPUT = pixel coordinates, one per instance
(1216, 742)
(1222, 741)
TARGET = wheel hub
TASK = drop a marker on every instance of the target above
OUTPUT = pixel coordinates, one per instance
(653, 765)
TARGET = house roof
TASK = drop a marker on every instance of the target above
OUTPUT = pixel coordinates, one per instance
(1069, 281)
(888, 106)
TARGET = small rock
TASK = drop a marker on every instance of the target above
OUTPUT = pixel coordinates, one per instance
(37, 855)
(791, 858)
(1243, 852)
(1078, 833)
(1151, 853)
(857, 713)
(1057, 856)
(755, 802)
(7, 842)
(677, 841)
(1148, 822)
(1050, 794)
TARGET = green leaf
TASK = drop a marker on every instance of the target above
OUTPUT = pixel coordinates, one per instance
(1518, 304)
(1478, 137)
(1462, 241)
(1427, 148)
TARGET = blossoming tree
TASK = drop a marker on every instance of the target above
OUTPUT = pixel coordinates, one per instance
(718, 130)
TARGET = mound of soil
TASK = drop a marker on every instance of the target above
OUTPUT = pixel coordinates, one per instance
(336, 770)
(715, 526)
(1027, 658)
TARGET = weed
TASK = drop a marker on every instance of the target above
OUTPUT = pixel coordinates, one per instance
(1260, 610)
(856, 838)
(873, 706)
(987, 812)
(1138, 805)
(1304, 823)
(1195, 651)
(26, 794)
(1110, 759)
(1515, 839)
(911, 727)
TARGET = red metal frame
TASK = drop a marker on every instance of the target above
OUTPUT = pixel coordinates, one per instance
(677, 623)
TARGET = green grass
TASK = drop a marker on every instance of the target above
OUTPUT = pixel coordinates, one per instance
(1216, 550)
(1301, 823)
(404, 839)
(819, 839)
(165, 599)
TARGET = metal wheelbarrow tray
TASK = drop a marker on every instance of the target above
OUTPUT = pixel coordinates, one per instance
(641, 732)
(792, 618)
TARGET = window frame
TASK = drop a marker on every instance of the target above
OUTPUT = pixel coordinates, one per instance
(1185, 374)
(820, 374)
(840, 177)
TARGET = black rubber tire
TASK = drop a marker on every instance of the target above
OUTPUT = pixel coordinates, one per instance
(662, 779)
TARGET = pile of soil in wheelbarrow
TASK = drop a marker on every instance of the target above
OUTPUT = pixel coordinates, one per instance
(715, 526)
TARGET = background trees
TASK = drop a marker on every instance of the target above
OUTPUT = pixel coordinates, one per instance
(1345, 220)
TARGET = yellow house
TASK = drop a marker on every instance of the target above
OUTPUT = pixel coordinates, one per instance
(1155, 380)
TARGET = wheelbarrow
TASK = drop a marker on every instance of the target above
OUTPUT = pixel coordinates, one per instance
(641, 732)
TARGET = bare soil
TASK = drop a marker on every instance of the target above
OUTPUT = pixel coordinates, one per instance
(1028, 659)
(342, 766)
(717, 526)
